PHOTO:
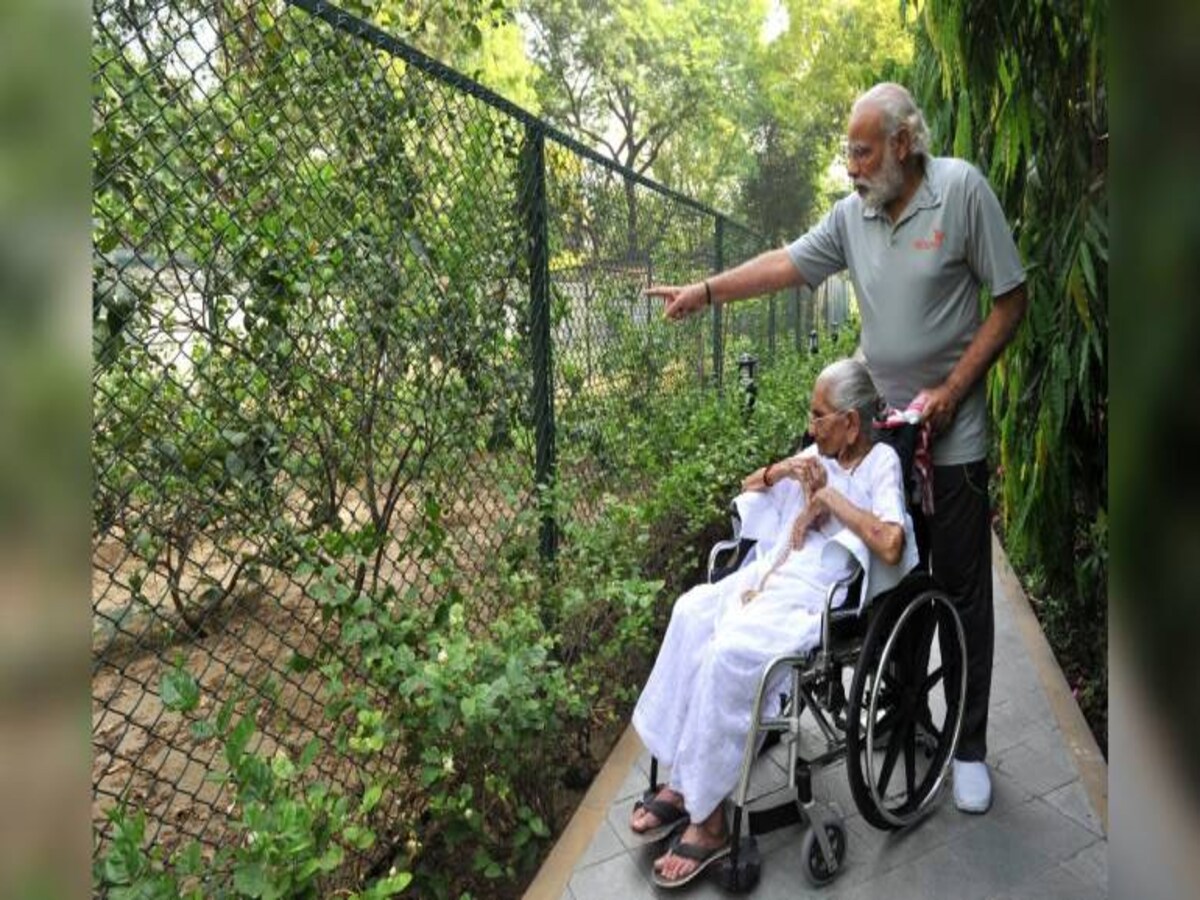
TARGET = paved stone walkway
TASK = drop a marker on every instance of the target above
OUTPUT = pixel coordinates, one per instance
(1043, 838)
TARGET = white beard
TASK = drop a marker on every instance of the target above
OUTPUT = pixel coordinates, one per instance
(885, 187)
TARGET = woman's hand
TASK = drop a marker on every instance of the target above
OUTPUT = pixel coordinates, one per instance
(756, 480)
(824, 498)
(884, 539)
(810, 473)
(816, 511)
(805, 469)
(812, 517)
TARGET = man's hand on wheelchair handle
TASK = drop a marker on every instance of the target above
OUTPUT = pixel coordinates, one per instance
(941, 405)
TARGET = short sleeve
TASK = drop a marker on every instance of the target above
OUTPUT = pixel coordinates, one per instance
(887, 485)
(820, 253)
(991, 252)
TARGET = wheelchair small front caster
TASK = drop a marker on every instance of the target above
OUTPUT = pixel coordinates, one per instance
(816, 866)
(742, 877)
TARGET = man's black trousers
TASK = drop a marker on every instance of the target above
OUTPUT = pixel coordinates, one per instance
(959, 537)
(960, 544)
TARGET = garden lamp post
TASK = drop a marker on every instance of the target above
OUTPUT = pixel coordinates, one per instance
(747, 364)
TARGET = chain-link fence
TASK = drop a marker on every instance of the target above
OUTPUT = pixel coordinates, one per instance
(349, 310)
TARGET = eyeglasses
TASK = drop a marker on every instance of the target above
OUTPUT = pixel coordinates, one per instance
(815, 421)
(860, 151)
(856, 152)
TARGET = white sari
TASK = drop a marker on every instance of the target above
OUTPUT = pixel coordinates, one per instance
(694, 713)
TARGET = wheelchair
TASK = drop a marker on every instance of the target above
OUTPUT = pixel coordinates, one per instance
(896, 728)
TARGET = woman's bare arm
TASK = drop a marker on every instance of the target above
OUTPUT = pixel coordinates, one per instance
(884, 539)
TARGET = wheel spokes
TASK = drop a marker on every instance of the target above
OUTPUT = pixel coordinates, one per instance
(910, 761)
(906, 699)
(895, 742)
(887, 720)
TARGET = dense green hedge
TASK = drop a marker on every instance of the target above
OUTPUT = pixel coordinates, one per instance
(1021, 90)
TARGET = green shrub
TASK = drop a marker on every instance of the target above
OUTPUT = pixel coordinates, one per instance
(292, 831)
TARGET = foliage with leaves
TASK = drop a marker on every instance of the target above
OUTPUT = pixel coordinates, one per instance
(634, 77)
(628, 75)
(473, 717)
(807, 79)
(220, 261)
(1021, 90)
(293, 830)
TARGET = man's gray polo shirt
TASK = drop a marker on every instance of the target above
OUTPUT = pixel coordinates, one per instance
(918, 285)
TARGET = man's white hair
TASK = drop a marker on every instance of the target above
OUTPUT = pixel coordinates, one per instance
(899, 111)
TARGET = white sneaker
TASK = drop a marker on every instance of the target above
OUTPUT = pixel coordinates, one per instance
(972, 786)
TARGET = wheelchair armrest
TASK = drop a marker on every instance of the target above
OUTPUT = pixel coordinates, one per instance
(850, 585)
(733, 544)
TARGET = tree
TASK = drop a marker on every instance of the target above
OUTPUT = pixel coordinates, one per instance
(781, 195)
(630, 77)
(830, 52)
(479, 38)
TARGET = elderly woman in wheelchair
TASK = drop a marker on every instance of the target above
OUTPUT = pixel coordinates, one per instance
(841, 513)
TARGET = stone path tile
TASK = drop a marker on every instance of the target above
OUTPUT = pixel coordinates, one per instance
(609, 880)
(1091, 864)
(1072, 801)
(1040, 763)
(1055, 883)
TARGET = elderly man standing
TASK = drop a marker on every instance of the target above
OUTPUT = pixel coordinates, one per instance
(920, 236)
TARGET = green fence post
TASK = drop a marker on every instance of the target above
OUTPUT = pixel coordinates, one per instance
(718, 265)
(535, 221)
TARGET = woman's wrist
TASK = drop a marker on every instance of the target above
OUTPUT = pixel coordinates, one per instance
(767, 475)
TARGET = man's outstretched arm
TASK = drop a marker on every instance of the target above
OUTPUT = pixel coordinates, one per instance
(764, 274)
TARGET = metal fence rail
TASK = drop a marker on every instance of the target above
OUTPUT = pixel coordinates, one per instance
(348, 306)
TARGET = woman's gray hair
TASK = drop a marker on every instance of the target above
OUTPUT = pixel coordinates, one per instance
(850, 387)
(899, 111)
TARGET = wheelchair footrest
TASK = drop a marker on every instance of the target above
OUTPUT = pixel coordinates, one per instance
(764, 821)
(740, 875)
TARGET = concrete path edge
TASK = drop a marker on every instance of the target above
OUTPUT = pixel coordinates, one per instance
(551, 880)
(1093, 770)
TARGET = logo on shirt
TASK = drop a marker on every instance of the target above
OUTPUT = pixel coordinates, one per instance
(930, 243)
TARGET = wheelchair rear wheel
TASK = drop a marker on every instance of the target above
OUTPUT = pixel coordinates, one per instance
(906, 703)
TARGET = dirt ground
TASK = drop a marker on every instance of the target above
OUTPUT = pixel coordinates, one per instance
(145, 756)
